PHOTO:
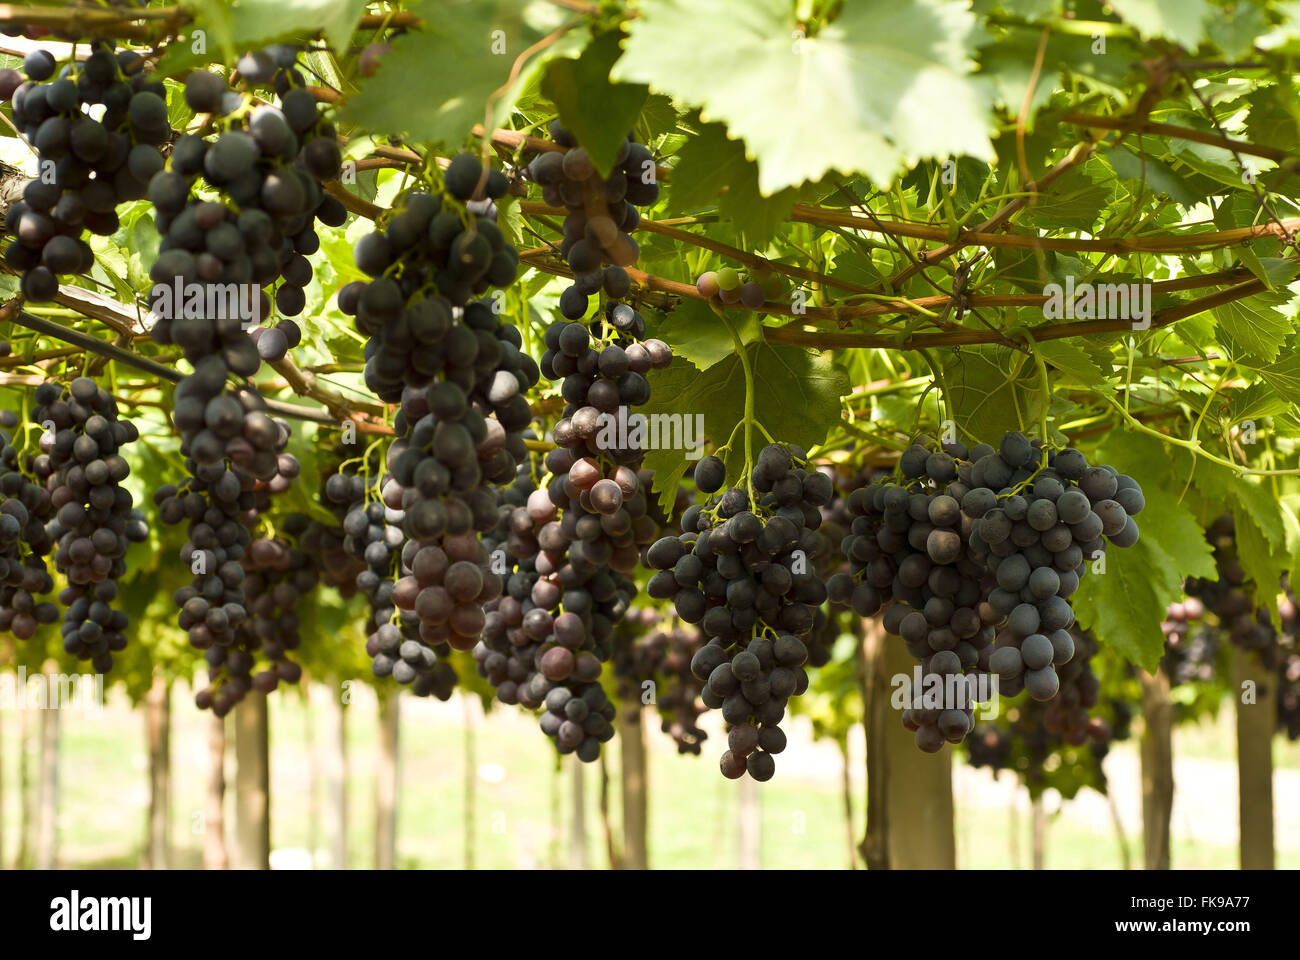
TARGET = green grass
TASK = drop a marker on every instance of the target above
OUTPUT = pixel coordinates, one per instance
(522, 798)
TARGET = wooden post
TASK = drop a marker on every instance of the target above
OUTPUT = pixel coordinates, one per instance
(876, 718)
(1157, 769)
(557, 815)
(252, 784)
(631, 740)
(157, 722)
(1040, 833)
(1125, 859)
(1255, 700)
(918, 789)
(749, 819)
(47, 794)
(846, 791)
(336, 781)
(612, 853)
(386, 780)
(471, 779)
(314, 747)
(215, 855)
(330, 745)
(1, 790)
(1014, 808)
(578, 820)
(6, 660)
(26, 816)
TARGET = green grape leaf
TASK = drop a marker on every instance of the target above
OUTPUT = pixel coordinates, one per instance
(1252, 328)
(252, 24)
(1257, 400)
(1179, 20)
(1072, 361)
(1263, 561)
(1125, 604)
(1271, 120)
(598, 113)
(1007, 67)
(1274, 272)
(796, 398)
(1072, 201)
(1158, 176)
(1235, 32)
(712, 169)
(699, 335)
(457, 62)
(1283, 375)
(859, 96)
(991, 391)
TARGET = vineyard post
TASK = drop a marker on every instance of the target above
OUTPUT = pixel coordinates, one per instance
(1157, 769)
(47, 794)
(918, 790)
(252, 785)
(577, 818)
(1040, 832)
(26, 818)
(876, 713)
(335, 751)
(313, 747)
(470, 781)
(613, 856)
(2, 792)
(846, 795)
(387, 772)
(631, 738)
(157, 719)
(749, 821)
(215, 854)
(1254, 697)
(7, 652)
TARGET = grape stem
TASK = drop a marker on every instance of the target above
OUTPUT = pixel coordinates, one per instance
(1047, 392)
(1195, 446)
(749, 403)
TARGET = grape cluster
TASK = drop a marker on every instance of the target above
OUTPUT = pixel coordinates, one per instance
(973, 554)
(431, 258)
(97, 128)
(601, 214)
(745, 572)
(573, 544)
(277, 574)
(1027, 737)
(459, 438)
(1232, 599)
(648, 650)
(94, 519)
(398, 642)
(267, 168)
(535, 651)
(600, 383)
(729, 287)
(1191, 648)
(235, 452)
(24, 542)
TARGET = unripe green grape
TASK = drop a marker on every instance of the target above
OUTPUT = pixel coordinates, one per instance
(773, 286)
(728, 279)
